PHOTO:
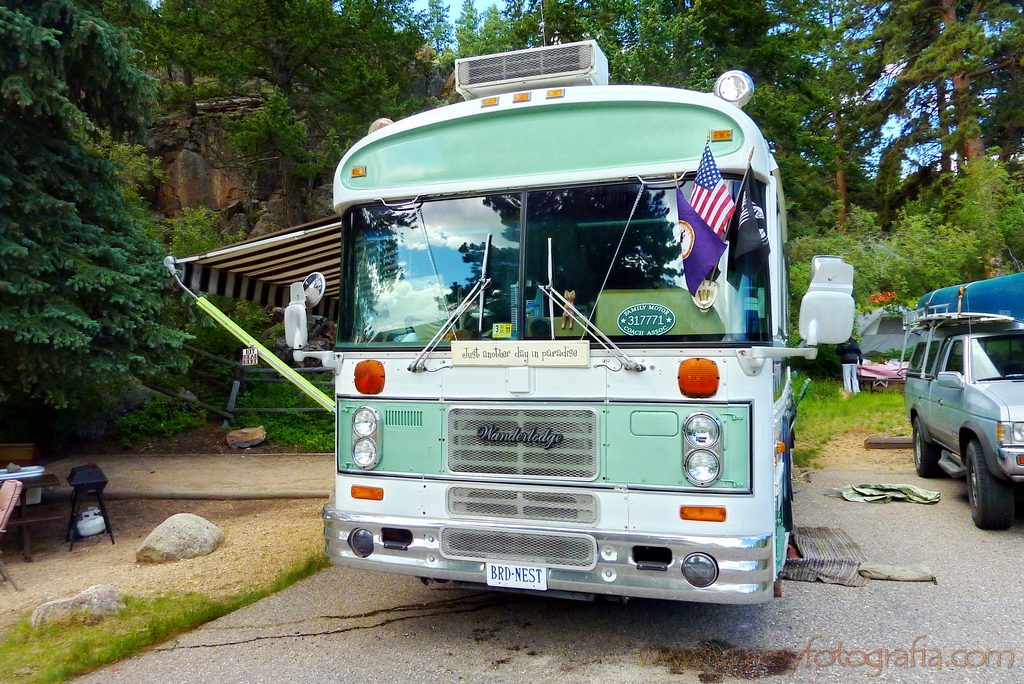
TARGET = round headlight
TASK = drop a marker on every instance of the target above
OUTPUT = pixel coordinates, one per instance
(701, 467)
(364, 421)
(361, 542)
(702, 430)
(700, 569)
(735, 86)
(365, 454)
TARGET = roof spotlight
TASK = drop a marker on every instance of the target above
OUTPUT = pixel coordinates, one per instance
(735, 87)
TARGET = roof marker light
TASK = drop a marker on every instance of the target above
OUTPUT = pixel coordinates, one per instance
(735, 86)
(489, 102)
(521, 97)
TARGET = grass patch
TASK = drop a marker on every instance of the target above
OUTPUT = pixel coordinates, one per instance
(162, 417)
(824, 413)
(304, 431)
(53, 653)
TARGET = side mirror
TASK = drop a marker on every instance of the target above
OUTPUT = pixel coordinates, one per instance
(826, 311)
(295, 318)
(950, 379)
(307, 293)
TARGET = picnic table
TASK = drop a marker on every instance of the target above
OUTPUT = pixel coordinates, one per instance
(881, 376)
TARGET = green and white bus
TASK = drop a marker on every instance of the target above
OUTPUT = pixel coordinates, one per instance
(528, 395)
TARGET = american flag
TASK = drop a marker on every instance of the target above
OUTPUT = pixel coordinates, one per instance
(710, 196)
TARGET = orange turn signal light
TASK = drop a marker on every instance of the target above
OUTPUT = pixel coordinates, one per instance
(698, 378)
(358, 171)
(370, 493)
(369, 377)
(703, 513)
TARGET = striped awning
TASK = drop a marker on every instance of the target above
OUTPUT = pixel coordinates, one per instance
(262, 269)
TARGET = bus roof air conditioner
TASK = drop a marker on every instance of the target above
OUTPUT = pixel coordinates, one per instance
(570, 64)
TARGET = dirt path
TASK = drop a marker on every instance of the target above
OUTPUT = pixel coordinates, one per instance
(847, 452)
(263, 538)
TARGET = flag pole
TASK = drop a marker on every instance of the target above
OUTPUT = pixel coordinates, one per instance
(750, 158)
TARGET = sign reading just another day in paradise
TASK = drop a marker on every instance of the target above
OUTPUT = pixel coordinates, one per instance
(571, 353)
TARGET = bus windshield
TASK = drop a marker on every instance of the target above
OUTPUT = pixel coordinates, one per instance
(612, 250)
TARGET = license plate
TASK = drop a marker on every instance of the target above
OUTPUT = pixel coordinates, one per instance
(516, 576)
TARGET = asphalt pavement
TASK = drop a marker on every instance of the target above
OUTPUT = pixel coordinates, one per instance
(343, 625)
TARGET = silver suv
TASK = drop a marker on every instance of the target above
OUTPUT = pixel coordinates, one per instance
(965, 400)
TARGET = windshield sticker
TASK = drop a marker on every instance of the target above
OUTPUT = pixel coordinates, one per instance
(646, 319)
(501, 331)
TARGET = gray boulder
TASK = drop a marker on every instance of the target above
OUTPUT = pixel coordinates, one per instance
(181, 536)
(96, 602)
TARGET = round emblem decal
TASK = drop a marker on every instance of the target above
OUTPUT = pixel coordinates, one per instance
(685, 238)
(646, 319)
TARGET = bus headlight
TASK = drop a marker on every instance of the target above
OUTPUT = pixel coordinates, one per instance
(702, 430)
(365, 421)
(365, 454)
(366, 437)
(701, 467)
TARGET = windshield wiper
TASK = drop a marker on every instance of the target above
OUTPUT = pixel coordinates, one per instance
(477, 290)
(627, 362)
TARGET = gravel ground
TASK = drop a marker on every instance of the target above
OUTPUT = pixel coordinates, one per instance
(263, 538)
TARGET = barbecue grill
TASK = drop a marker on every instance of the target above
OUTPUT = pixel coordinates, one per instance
(85, 480)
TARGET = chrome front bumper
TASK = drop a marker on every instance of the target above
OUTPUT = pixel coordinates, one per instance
(745, 564)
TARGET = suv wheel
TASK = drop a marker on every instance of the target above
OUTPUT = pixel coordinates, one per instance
(926, 454)
(991, 498)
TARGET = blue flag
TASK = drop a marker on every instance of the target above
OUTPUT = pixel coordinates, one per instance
(701, 247)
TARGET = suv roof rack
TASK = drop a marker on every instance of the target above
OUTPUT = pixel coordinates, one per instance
(923, 320)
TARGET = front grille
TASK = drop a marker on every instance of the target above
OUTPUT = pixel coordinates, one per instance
(575, 552)
(477, 502)
(536, 443)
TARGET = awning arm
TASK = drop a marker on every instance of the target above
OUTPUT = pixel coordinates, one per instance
(269, 357)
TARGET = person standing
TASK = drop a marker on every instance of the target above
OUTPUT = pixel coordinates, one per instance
(850, 358)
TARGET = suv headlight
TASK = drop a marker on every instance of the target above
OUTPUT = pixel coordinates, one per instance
(1010, 433)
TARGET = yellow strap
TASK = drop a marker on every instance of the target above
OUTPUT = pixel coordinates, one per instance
(265, 354)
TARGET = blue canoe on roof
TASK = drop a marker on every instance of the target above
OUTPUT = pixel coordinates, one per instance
(1003, 296)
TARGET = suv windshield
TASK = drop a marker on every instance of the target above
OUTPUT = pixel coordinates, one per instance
(998, 357)
(406, 269)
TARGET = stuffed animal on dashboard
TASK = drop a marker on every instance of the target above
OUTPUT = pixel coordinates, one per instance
(570, 296)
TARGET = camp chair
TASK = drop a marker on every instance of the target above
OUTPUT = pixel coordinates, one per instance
(9, 493)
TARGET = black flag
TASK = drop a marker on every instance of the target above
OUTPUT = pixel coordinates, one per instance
(748, 232)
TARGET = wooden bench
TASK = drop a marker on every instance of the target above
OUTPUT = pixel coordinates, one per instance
(24, 520)
(25, 524)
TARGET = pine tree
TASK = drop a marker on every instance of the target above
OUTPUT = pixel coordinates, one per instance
(82, 288)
